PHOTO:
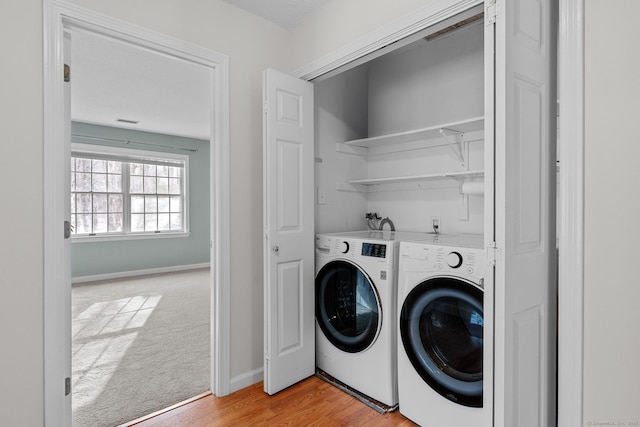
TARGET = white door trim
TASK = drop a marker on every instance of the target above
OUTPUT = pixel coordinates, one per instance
(57, 16)
(571, 213)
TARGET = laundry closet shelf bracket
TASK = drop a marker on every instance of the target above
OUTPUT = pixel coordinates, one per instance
(456, 146)
(341, 147)
(354, 188)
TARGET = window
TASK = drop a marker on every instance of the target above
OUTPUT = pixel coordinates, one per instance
(124, 192)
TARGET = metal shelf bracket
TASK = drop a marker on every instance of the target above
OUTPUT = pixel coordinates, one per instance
(456, 145)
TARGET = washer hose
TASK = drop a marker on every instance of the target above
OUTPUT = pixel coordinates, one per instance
(387, 221)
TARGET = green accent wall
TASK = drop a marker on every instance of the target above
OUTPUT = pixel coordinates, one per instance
(93, 258)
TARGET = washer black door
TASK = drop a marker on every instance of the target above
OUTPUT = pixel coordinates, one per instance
(441, 325)
(347, 306)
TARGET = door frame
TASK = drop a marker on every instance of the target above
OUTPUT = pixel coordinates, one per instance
(571, 213)
(57, 16)
(571, 175)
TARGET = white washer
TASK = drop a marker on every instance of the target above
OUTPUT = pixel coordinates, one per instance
(444, 355)
(356, 303)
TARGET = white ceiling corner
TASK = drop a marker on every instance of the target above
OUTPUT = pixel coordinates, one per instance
(285, 13)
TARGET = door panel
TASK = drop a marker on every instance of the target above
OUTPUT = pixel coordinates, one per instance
(289, 340)
(289, 178)
(290, 323)
(527, 137)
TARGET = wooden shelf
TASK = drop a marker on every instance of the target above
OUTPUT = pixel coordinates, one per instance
(433, 132)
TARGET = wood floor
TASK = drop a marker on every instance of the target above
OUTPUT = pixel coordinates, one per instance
(312, 402)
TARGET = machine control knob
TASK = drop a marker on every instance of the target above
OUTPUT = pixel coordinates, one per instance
(344, 247)
(454, 259)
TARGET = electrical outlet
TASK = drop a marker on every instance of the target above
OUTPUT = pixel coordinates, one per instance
(436, 224)
(321, 196)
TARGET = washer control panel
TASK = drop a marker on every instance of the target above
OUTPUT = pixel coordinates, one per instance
(459, 260)
(454, 259)
(445, 259)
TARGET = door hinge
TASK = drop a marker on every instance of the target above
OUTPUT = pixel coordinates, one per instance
(67, 73)
(67, 386)
(265, 108)
(67, 229)
(493, 253)
(494, 8)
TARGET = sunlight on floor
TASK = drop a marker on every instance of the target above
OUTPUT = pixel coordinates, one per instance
(102, 334)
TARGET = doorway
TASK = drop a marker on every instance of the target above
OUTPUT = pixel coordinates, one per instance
(59, 17)
(140, 226)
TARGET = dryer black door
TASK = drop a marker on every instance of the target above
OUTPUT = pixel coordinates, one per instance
(347, 306)
(441, 325)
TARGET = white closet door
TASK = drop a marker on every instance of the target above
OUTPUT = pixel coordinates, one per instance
(525, 274)
(289, 340)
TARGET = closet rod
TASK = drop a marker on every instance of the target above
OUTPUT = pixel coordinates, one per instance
(127, 142)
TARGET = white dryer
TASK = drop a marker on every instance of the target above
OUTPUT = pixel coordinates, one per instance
(356, 303)
(444, 352)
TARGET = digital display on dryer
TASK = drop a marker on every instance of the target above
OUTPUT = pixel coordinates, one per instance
(374, 250)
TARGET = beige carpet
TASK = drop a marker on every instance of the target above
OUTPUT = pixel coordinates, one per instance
(139, 345)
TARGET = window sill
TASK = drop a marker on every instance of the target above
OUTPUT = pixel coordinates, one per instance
(119, 237)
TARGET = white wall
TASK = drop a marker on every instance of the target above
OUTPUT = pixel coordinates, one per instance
(341, 22)
(340, 115)
(428, 83)
(21, 234)
(424, 84)
(612, 212)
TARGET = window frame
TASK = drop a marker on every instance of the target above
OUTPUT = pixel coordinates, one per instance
(140, 156)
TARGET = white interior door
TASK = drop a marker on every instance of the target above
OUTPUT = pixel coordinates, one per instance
(525, 282)
(289, 341)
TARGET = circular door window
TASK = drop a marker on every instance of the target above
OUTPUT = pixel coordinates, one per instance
(441, 325)
(347, 306)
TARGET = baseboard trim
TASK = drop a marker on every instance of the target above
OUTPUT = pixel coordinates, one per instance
(246, 379)
(134, 273)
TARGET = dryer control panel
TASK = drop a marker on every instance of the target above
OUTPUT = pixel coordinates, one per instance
(361, 250)
(378, 250)
(331, 245)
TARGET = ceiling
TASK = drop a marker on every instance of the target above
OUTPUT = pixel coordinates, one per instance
(286, 13)
(113, 80)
